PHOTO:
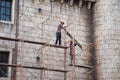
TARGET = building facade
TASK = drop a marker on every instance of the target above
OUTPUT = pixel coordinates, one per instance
(28, 34)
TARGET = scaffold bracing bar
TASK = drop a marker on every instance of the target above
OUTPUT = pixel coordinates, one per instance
(32, 67)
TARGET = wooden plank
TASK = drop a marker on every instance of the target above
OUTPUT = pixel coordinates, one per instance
(32, 42)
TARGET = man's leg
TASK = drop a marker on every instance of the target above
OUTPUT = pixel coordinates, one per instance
(71, 57)
(60, 39)
(57, 38)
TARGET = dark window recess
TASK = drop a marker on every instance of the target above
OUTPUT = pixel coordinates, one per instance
(5, 10)
(4, 58)
(67, 1)
(76, 2)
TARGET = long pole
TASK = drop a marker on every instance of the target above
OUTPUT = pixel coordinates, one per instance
(65, 75)
(31, 67)
(32, 42)
(16, 43)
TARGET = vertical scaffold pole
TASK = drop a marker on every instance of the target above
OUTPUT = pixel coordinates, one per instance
(65, 75)
(73, 61)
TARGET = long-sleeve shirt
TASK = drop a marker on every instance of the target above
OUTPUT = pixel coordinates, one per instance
(59, 28)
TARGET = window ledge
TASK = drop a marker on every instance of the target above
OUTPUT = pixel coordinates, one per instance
(6, 22)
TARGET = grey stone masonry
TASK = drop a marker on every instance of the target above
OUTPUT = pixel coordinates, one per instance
(41, 27)
(38, 21)
(107, 35)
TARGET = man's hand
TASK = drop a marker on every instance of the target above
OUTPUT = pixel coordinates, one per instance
(65, 26)
(64, 29)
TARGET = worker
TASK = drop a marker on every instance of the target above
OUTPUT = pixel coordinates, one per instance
(58, 33)
(71, 51)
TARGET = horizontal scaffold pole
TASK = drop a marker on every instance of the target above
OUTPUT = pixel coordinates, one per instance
(32, 42)
(32, 67)
(82, 66)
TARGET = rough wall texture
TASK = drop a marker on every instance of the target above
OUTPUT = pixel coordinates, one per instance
(107, 36)
(41, 27)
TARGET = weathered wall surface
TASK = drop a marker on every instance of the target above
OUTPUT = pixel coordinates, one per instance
(7, 30)
(41, 27)
(107, 36)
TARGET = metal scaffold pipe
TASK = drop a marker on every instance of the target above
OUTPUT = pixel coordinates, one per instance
(32, 67)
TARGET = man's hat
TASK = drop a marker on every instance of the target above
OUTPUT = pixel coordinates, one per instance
(62, 22)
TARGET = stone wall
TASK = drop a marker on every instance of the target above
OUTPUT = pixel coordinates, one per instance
(107, 36)
(41, 27)
(7, 30)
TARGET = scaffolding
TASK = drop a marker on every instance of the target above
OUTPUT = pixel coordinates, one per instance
(47, 44)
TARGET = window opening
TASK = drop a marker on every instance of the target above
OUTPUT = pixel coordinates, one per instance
(4, 58)
(5, 10)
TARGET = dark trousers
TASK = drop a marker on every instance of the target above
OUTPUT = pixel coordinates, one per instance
(71, 56)
(58, 38)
